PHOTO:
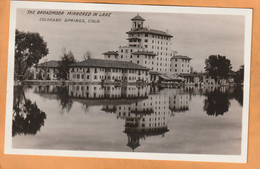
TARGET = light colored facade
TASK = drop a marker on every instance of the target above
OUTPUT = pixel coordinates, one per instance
(150, 113)
(154, 41)
(147, 47)
(111, 55)
(96, 91)
(180, 64)
(145, 118)
(192, 78)
(179, 102)
(47, 71)
(207, 80)
(96, 70)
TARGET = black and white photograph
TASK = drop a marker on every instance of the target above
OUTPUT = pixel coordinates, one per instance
(128, 81)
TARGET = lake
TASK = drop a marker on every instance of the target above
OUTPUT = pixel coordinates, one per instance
(190, 120)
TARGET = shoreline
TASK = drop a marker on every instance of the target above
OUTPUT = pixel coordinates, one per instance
(68, 82)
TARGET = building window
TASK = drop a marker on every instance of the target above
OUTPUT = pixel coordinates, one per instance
(146, 35)
(95, 77)
(145, 46)
(87, 76)
(146, 40)
(82, 76)
(78, 76)
(126, 51)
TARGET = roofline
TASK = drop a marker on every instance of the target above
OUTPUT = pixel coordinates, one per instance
(181, 57)
(168, 35)
(106, 53)
(110, 67)
(134, 19)
(140, 67)
(136, 53)
(46, 66)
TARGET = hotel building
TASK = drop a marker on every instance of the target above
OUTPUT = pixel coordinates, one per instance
(97, 70)
(150, 48)
(180, 64)
(47, 70)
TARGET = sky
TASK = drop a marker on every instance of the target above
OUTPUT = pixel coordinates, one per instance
(194, 35)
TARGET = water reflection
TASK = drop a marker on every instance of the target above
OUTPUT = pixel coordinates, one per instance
(27, 117)
(60, 93)
(217, 100)
(216, 103)
(145, 110)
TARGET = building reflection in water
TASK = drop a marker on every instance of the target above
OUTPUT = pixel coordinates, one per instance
(145, 109)
(146, 112)
(59, 93)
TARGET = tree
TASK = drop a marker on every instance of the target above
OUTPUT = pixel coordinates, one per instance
(29, 49)
(87, 55)
(67, 58)
(218, 67)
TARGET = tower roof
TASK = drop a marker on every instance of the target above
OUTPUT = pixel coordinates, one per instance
(137, 17)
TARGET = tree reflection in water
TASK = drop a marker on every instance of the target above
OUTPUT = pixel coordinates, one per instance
(63, 97)
(238, 95)
(27, 117)
(216, 103)
(60, 93)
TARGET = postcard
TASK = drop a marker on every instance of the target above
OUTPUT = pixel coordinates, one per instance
(128, 81)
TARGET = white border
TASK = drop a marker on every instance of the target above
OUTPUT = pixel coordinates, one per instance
(130, 8)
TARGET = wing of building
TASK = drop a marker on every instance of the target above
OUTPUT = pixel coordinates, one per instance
(98, 70)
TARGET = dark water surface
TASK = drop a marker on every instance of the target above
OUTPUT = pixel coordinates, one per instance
(192, 120)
